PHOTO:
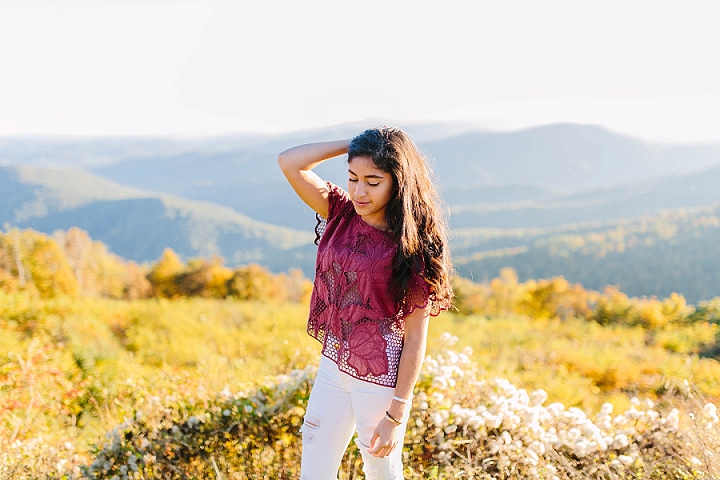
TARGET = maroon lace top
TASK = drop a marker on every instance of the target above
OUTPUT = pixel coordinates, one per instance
(352, 312)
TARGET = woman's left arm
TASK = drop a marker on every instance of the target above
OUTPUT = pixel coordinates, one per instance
(411, 359)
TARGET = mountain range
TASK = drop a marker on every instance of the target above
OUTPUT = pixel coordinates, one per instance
(226, 196)
(138, 225)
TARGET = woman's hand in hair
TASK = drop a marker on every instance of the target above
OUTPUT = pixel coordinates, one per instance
(297, 164)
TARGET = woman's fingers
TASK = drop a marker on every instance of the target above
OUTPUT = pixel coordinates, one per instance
(382, 450)
(383, 440)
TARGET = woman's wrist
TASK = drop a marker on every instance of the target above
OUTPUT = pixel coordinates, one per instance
(392, 418)
(398, 405)
(396, 409)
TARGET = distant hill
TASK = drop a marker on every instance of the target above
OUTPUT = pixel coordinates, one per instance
(238, 171)
(138, 225)
(532, 199)
(678, 251)
(535, 208)
(472, 167)
(564, 157)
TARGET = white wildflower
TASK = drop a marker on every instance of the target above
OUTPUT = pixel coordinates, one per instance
(535, 430)
(551, 439)
(492, 421)
(604, 422)
(602, 443)
(448, 339)
(511, 421)
(583, 447)
(531, 457)
(673, 418)
(633, 413)
(573, 434)
(538, 397)
(555, 408)
(626, 459)
(537, 447)
(439, 382)
(521, 397)
(476, 422)
(436, 419)
(620, 441)
(710, 412)
(575, 414)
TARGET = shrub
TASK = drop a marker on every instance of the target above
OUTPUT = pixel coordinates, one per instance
(463, 425)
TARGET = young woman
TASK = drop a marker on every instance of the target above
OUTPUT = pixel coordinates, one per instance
(382, 270)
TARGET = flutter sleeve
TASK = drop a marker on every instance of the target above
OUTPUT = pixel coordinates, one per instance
(338, 204)
(420, 295)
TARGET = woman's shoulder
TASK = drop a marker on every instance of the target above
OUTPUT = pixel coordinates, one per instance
(339, 203)
(340, 209)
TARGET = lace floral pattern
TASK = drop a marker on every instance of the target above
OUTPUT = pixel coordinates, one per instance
(352, 312)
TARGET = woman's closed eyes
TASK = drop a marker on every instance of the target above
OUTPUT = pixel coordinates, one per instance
(369, 183)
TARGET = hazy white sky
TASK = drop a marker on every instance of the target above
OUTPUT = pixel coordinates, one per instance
(648, 68)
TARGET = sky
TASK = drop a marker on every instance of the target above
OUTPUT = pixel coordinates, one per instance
(133, 67)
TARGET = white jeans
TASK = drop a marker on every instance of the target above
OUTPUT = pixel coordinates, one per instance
(339, 404)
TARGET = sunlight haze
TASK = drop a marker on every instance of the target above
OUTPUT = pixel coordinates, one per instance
(119, 67)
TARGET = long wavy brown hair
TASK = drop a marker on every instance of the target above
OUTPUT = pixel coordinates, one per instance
(413, 215)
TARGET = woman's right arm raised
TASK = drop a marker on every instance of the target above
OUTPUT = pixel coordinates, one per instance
(297, 164)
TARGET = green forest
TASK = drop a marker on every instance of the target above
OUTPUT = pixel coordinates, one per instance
(192, 369)
(676, 251)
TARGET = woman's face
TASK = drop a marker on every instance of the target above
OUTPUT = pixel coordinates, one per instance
(370, 189)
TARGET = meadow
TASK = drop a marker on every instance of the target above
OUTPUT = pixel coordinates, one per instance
(186, 376)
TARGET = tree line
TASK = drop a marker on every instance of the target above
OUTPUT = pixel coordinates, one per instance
(72, 264)
(678, 251)
(556, 298)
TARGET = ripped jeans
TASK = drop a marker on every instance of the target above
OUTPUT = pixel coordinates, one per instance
(339, 404)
